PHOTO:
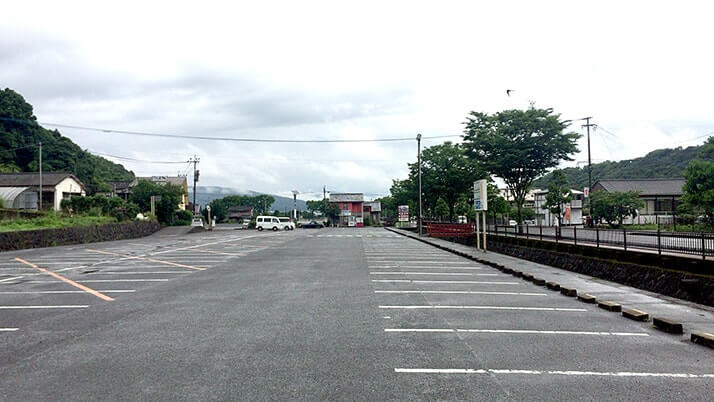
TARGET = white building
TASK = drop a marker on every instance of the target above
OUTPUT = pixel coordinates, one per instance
(21, 190)
(572, 211)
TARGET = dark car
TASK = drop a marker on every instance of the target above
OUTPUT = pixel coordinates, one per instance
(312, 225)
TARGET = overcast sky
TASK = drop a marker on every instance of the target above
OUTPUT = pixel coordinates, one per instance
(353, 70)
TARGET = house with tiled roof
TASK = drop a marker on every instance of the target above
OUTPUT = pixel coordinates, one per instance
(22, 190)
(660, 196)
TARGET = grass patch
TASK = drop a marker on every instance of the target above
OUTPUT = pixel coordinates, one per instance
(52, 221)
(670, 228)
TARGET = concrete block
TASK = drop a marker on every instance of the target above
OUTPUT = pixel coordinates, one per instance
(570, 292)
(552, 285)
(517, 274)
(703, 338)
(528, 277)
(666, 325)
(635, 314)
(587, 298)
(610, 306)
(539, 281)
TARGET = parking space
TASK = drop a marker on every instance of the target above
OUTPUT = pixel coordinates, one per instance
(42, 283)
(457, 319)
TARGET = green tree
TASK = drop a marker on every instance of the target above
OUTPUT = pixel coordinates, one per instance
(615, 206)
(699, 186)
(166, 206)
(442, 209)
(519, 146)
(558, 194)
(496, 203)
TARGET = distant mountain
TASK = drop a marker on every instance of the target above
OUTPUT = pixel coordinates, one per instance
(206, 194)
(661, 163)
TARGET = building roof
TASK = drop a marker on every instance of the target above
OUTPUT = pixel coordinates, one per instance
(8, 194)
(646, 187)
(375, 206)
(175, 180)
(346, 197)
(121, 185)
(49, 179)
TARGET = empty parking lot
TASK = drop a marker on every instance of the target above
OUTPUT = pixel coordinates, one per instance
(314, 314)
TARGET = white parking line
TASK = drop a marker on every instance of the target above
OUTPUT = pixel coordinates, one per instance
(137, 273)
(467, 292)
(107, 280)
(463, 282)
(8, 329)
(482, 308)
(515, 331)
(41, 307)
(429, 267)
(429, 273)
(551, 372)
(11, 279)
(29, 292)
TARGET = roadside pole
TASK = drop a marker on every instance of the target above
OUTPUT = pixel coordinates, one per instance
(478, 234)
(483, 214)
(419, 221)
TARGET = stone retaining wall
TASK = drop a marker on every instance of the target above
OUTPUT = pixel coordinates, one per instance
(679, 277)
(76, 235)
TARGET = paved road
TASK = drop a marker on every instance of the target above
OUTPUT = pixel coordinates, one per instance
(357, 314)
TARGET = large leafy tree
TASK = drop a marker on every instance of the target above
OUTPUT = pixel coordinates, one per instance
(448, 173)
(519, 146)
(699, 186)
(166, 206)
(496, 203)
(615, 206)
(558, 194)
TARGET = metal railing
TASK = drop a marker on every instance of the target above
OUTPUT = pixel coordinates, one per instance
(694, 243)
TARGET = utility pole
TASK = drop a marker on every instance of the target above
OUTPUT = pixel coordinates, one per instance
(419, 221)
(295, 193)
(195, 160)
(40, 201)
(590, 168)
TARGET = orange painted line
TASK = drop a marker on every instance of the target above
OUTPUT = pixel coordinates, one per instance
(218, 252)
(147, 259)
(63, 279)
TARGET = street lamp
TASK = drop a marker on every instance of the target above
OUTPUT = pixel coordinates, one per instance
(418, 138)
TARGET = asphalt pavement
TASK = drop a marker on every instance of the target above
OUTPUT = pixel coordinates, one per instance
(328, 314)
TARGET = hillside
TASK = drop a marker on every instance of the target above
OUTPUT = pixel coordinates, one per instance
(206, 194)
(661, 163)
(20, 134)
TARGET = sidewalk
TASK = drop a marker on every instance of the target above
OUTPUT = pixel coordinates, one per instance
(693, 317)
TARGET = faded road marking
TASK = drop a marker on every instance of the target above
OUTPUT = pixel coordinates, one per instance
(67, 280)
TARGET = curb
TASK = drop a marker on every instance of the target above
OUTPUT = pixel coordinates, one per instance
(570, 292)
(610, 306)
(635, 314)
(703, 338)
(666, 325)
(587, 298)
(552, 285)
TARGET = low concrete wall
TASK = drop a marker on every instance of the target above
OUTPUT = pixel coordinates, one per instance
(680, 277)
(6, 213)
(76, 235)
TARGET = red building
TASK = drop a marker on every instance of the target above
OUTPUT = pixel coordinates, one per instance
(351, 206)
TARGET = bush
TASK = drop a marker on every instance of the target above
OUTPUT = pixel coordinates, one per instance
(183, 218)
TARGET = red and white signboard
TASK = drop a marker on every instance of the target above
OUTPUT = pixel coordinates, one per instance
(403, 213)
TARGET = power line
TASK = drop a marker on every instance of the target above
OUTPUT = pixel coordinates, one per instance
(211, 138)
(125, 158)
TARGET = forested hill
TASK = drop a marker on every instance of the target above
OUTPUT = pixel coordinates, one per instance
(19, 152)
(661, 163)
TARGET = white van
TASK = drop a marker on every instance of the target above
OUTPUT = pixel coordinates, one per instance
(288, 222)
(269, 222)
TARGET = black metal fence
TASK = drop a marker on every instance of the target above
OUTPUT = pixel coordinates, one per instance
(695, 243)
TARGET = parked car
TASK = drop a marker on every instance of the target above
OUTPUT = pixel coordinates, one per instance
(269, 222)
(512, 223)
(289, 225)
(312, 225)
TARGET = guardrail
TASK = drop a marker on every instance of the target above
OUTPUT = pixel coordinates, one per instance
(450, 230)
(694, 243)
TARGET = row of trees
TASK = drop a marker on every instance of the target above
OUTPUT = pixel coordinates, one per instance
(260, 204)
(167, 199)
(516, 145)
